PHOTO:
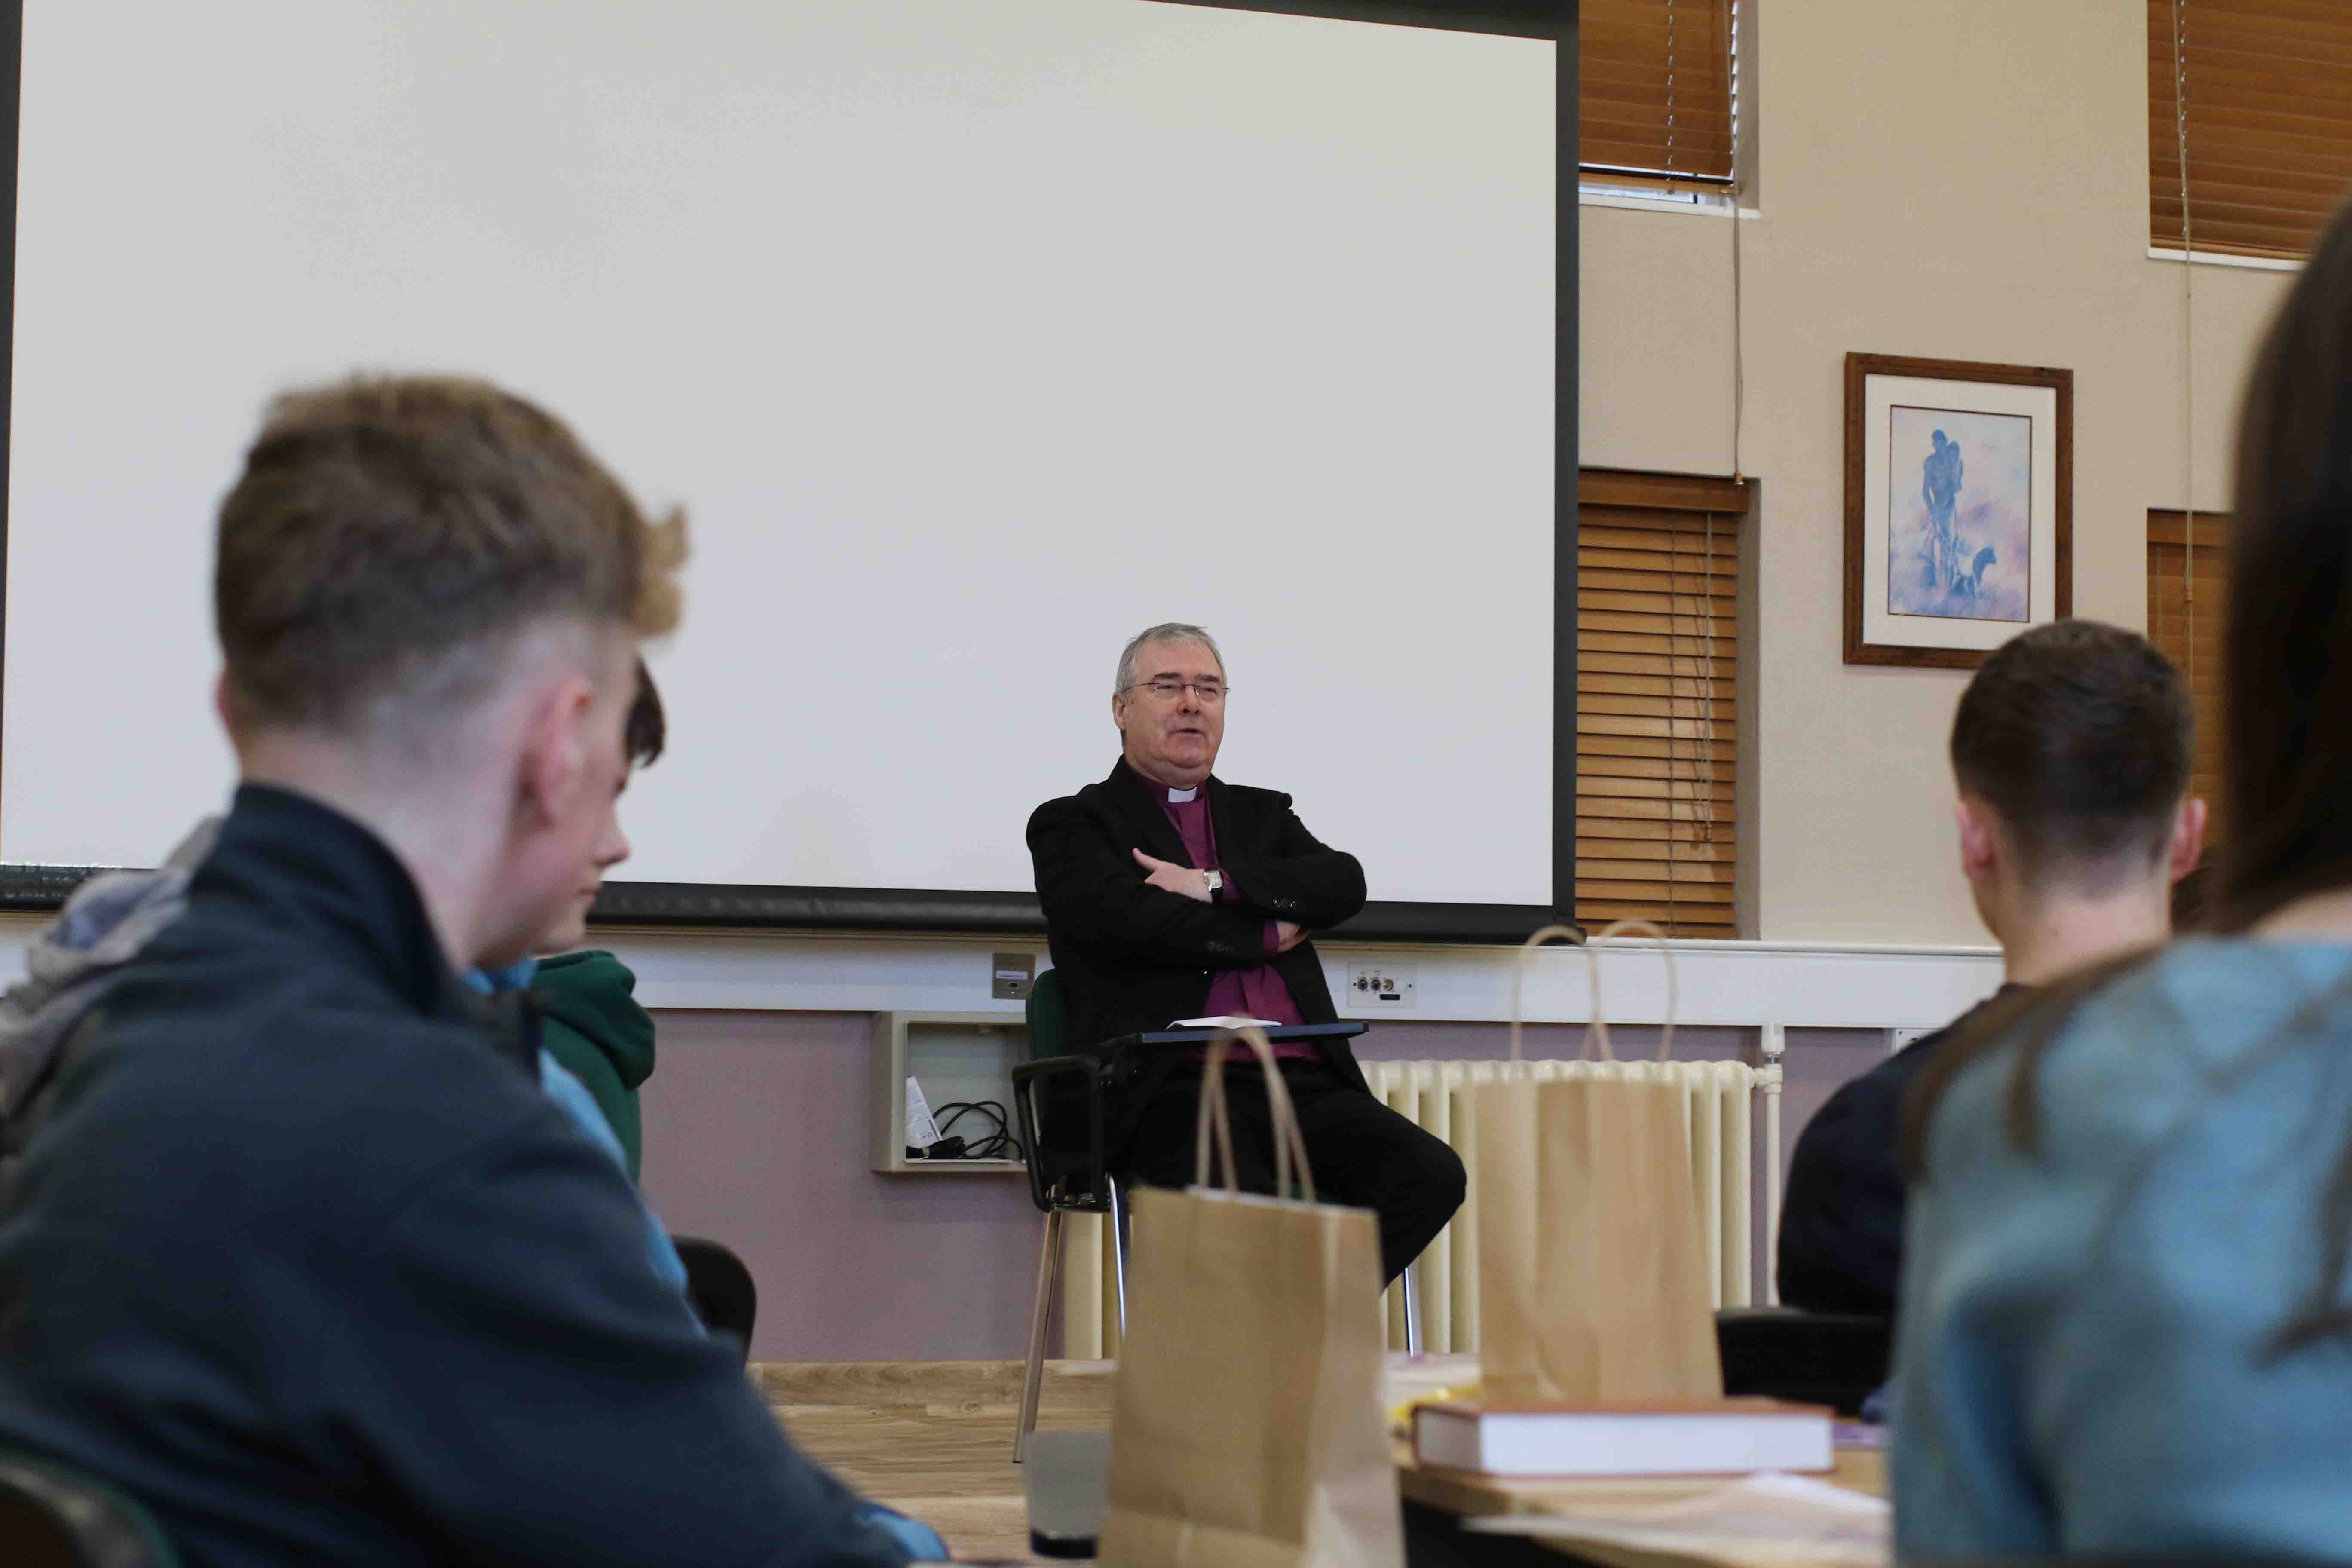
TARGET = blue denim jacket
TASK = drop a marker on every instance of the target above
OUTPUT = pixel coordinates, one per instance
(572, 1095)
(2086, 1355)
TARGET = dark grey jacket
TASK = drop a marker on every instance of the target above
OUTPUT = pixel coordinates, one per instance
(299, 1258)
(1134, 957)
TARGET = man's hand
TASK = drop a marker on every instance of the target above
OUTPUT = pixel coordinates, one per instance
(1288, 936)
(1167, 876)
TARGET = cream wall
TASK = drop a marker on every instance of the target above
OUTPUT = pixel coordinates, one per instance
(1955, 179)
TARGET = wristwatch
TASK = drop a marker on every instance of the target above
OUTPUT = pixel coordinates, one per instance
(1216, 881)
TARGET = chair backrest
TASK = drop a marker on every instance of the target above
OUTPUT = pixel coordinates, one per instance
(53, 1516)
(1051, 1112)
(1049, 1018)
(720, 1284)
(1810, 1358)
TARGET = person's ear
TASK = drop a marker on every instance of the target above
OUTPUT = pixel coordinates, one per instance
(2188, 838)
(224, 703)
(1979, 843)
(1118, 711)
(553, 766)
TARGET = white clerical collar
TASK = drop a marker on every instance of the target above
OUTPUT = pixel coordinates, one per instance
(1179, 796)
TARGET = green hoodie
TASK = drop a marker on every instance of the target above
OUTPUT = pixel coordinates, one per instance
(590, 1023)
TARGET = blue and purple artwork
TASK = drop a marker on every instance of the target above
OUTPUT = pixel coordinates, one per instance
(1959, 514)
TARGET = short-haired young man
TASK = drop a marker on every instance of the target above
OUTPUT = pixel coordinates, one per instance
(589, 1021)
(297, 1252)
(2071, 750)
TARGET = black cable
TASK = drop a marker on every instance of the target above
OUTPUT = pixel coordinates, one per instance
(998, 1145)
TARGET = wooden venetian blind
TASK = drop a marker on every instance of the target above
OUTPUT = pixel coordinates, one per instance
(2188, 629)
(1657, 89)
(1657, 699)
(2269, 88)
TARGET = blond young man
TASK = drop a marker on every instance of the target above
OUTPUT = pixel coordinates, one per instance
(294, 1249)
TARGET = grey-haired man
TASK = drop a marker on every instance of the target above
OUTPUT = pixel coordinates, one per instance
(1170, 893)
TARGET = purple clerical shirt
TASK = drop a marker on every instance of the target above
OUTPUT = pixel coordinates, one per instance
(1256, 992)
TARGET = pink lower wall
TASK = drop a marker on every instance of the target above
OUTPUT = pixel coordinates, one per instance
(755, 1128)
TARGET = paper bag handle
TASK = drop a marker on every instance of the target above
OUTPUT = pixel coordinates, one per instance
(1290, 1143)
(1599, 1028)
(1519, 972)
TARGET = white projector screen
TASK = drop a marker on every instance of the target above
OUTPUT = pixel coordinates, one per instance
(974, 335)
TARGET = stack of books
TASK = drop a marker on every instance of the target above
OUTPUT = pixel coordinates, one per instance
(1718, 1437)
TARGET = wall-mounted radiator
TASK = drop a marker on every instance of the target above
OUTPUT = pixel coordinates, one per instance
(1720, 1103)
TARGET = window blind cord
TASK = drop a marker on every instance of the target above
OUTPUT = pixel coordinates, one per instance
(1739, 344)
(1738, 335)
(1670, 93)
(2187, 341)
(1704, 784)
(1673, 719)
(1702, 804)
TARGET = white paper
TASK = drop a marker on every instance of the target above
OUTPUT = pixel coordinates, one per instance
(1764, 1521)
(921, 1131)
(1226, 1021)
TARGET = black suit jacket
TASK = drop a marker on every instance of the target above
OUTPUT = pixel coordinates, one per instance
(1135, 957)
(1842, 1218)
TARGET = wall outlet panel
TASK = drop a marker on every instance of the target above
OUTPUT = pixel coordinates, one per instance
(1012, 976)
(1380, 988)
(952, 1057)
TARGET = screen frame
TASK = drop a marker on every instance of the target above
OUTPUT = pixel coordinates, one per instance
(37, 888)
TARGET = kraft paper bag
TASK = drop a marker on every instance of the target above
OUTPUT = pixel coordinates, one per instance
(1246, 1427)
(1592, 1284)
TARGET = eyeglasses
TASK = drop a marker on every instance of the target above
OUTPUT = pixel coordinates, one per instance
(1167, 691)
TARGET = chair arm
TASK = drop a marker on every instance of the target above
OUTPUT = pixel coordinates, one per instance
(1027, 1077)
(1820, 1358)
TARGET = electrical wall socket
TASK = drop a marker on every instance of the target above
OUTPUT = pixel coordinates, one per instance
(1380, 987)
(1011, 975)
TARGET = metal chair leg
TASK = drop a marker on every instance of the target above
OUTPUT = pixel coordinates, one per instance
(1411, 1309)
(1049, 1280)
(1119, 1235)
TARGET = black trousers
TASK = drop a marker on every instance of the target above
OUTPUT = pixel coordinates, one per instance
(1362, 1153)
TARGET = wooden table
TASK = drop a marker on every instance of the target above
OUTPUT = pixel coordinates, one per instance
(1436, 1498)
(1471, 1495)
(935, 1439)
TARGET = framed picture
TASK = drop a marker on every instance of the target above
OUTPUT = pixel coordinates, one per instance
(1959, 510)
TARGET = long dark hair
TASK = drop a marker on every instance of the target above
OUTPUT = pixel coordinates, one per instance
(2288, 701)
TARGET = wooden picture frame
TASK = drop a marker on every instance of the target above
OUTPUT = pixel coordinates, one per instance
(1938, 579)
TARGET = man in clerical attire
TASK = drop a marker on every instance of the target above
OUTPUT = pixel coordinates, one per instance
(1170, 894)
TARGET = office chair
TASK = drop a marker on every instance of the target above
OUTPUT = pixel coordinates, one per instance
(1064, 1177)
(1071, 1176)
(55, 1516)
(720, 1287)
(1836, 1359)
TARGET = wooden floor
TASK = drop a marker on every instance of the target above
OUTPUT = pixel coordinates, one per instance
(933, 1438)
